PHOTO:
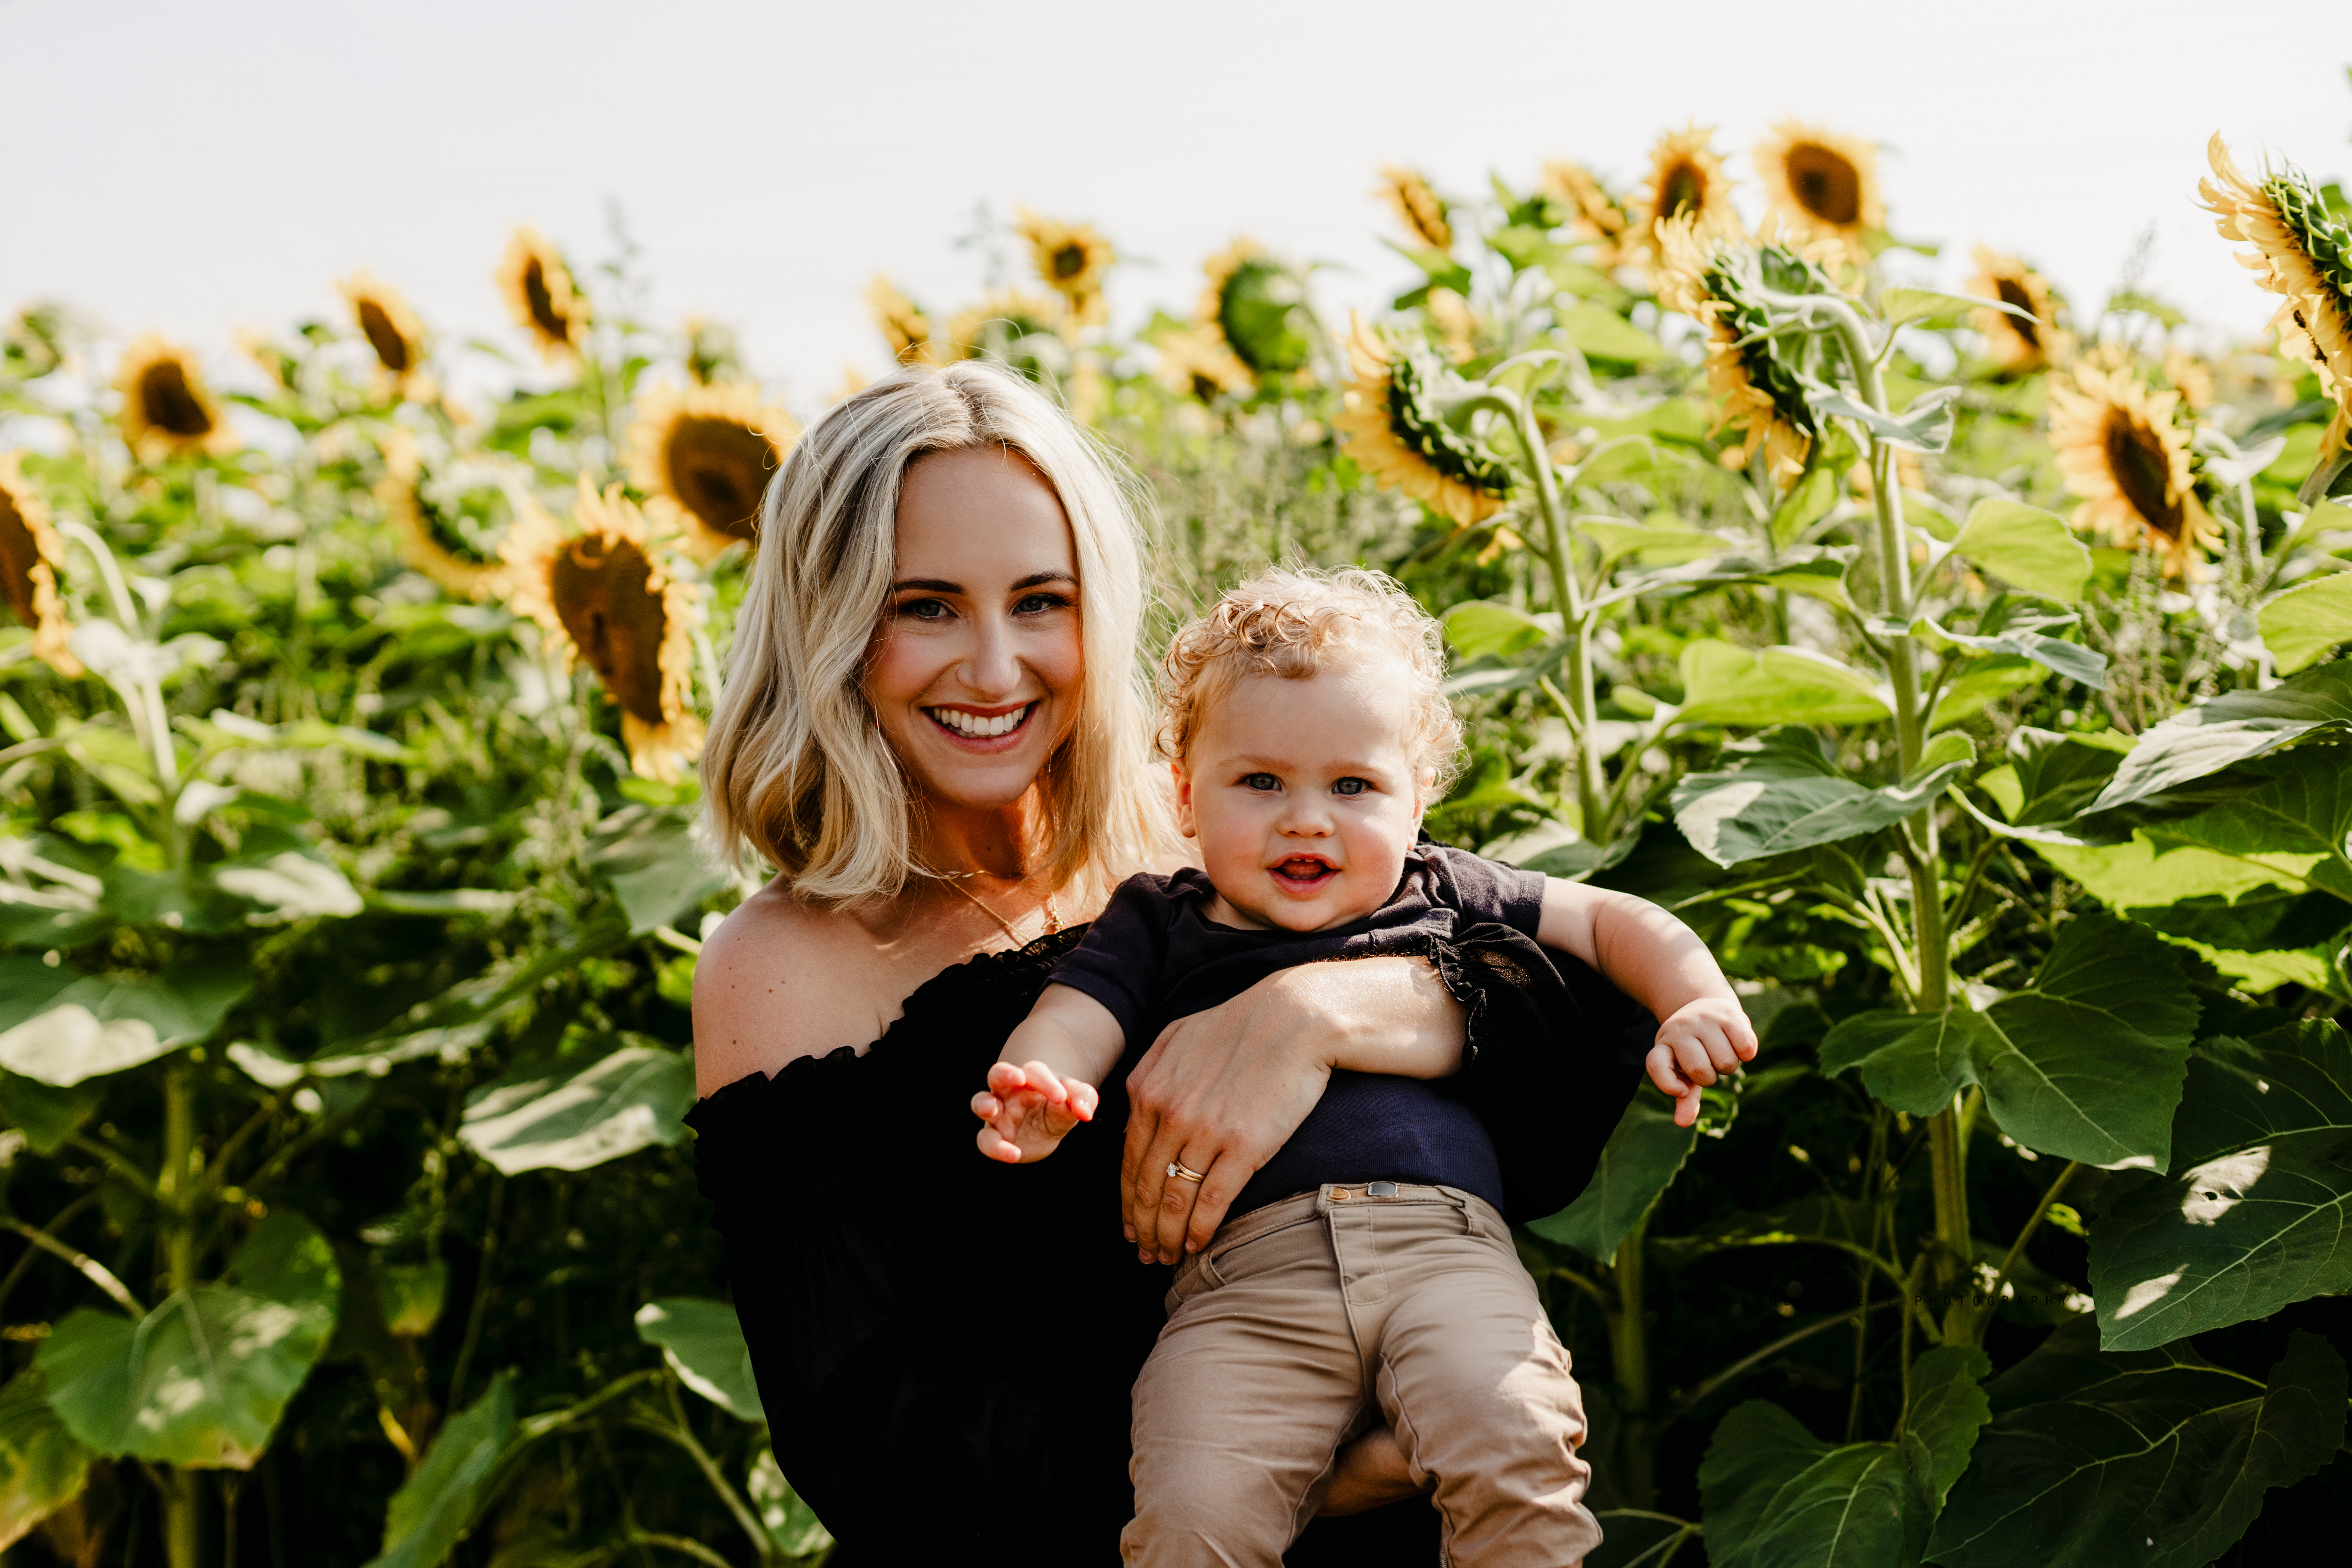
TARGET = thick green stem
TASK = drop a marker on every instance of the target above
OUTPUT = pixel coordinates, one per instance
(176, 1188)
(1629, 1345)
(1576, 625)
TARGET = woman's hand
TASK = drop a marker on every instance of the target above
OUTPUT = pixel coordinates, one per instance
(1371, 1472)
(1222, 1089)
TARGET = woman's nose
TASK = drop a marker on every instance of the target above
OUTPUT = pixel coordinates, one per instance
(993, 666)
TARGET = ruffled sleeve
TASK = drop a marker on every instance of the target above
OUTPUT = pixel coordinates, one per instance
(1554, 1053)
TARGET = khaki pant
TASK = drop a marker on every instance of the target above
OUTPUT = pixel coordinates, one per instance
(1307, 1321)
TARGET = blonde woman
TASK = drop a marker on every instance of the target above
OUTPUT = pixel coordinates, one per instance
(933, 729)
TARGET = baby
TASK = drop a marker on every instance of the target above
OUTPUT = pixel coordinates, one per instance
(1368, 1274)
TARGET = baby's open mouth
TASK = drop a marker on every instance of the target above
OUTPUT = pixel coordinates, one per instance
(978, 727)
(1301, 872)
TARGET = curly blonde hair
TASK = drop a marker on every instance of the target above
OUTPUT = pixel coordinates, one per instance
(1293, 622)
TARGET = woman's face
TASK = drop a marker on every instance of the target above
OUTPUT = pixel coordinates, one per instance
(975, 671)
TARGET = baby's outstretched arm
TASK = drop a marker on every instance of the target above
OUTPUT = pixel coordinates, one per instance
(1656, 959)
(1044, 1082)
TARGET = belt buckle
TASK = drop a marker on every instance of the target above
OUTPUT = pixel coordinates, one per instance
(1380, 1190)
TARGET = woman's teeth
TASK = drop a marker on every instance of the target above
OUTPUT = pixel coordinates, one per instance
(978, 727)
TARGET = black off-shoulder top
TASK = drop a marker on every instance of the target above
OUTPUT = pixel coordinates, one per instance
(945, 1345)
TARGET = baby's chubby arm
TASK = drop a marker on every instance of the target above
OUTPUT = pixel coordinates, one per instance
(1045, 1081)
(1659, 962)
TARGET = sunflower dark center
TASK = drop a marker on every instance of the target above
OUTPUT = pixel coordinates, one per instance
(170, 403)
(1204, 387)
(599, 588)
(2142, 471)
(1420, 432)
(1683, 189)
(541, 299)
(1826, 184)
(1069, 261)
(2012, 292)
(392, 350)
(718, 469)
(18, 556)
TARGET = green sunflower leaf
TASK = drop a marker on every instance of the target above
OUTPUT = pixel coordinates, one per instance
(2086, 1065)
(42, 1466)
(2258, 1212)
(2308, 620)
(2232, 727)
(2154, 1457)
(1781, 793)
(435, 1508)
(582, 1110)
(1724, 683)
(2027, 548)
(703, 1343)
(1639, 1161)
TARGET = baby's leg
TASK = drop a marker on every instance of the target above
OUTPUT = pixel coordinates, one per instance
(1478, 1388)
(1240, 1412)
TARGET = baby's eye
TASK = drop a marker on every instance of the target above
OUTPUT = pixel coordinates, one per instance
(1351, 786)
(1261, 782)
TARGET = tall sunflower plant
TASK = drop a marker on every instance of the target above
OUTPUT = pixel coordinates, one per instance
(2090, 1063)
(301, 841)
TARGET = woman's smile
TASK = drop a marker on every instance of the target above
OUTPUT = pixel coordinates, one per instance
(989, 730)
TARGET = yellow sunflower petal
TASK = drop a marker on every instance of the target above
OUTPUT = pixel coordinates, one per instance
(1822, 183)
(392, 331)
(31, 555)
(2121, 451)
(1417, 206)
(167, 410)
(2014, 346)
(541, 298)
(703, 456)
(904, 326)
(1072, 259)
(602, 598)
(1404, 445)
(420, 544)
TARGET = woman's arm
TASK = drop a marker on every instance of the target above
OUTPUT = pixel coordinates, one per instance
(1224, 1088)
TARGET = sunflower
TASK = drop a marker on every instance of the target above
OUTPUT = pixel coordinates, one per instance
(2120, 449)
(1705, 275)
(1822, 183)
(2015, 345)
(1450, 313)
(541, 298)
(1686, 180)
(905, 327)
(2191, 377)
(1596, 216)
(167, 409)
(31, 555)
(33, 343)
(1419, 207)
(1005, 315)
(1192, 361)
(1395, 435)
(392, 330)
(1249, 308)
(1072, 259)
(703, 458)
(2301, 252)
(600, 595)
(426, 535)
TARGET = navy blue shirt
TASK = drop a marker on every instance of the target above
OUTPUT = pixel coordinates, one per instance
(1152, 957)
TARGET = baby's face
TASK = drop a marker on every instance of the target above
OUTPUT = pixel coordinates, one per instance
(1305, 797)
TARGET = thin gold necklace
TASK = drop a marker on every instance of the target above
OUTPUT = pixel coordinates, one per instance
(955, 880)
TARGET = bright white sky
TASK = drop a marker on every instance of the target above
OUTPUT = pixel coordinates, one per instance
(193, 168)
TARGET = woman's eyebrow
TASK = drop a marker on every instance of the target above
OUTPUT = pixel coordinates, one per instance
(1039, 579)
(927, 584)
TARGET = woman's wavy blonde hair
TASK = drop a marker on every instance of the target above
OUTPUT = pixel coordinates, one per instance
(796, 768)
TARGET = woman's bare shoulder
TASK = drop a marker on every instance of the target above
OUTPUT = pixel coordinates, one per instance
(780, 980)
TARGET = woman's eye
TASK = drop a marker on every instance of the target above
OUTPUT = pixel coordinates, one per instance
(924, 610)
(1040, 604)
(1350, 786)
(1261, 782)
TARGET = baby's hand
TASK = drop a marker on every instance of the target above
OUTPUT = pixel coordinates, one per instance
(1700, 1041)
(1026, 1110)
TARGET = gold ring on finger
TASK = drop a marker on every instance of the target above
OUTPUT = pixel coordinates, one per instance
(1181, 1172)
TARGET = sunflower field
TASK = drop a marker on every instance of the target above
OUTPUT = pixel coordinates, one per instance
(1963, 666)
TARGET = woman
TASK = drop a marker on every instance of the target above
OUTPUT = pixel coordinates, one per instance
(933, 729)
